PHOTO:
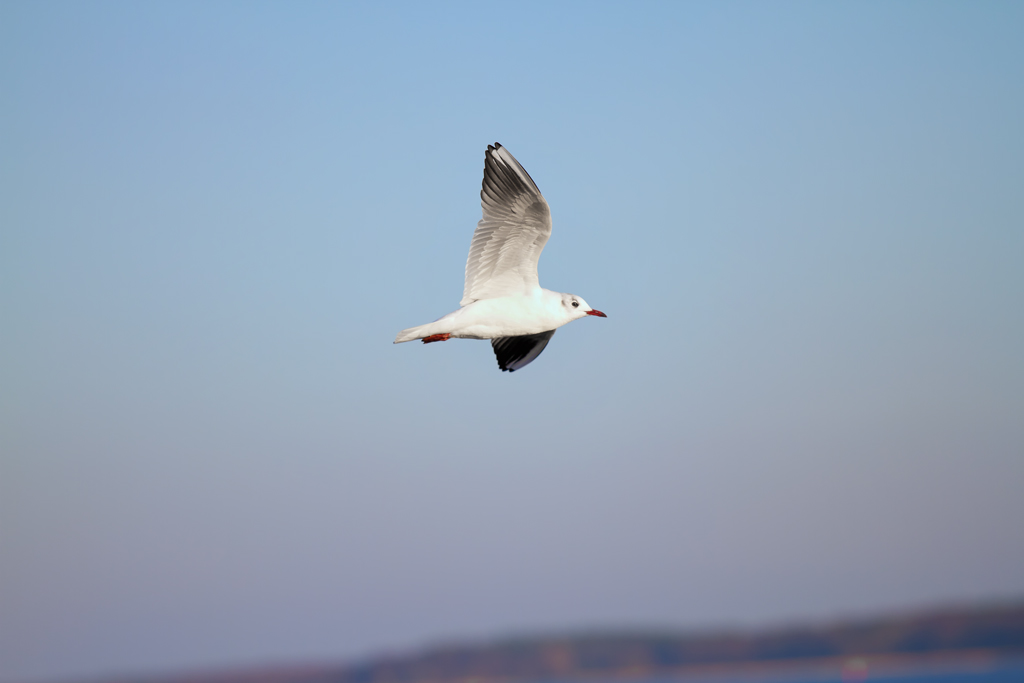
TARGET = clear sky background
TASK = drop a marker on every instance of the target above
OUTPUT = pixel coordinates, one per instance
(804, 220)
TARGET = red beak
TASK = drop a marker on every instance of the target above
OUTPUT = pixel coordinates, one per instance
(596, 312)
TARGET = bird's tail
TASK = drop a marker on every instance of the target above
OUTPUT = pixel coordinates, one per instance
(417, 332)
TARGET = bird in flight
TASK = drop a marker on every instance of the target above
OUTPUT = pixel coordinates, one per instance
(503, 300)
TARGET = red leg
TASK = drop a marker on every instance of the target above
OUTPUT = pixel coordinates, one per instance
(436, 337)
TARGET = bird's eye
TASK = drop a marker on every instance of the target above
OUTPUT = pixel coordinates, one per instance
(575, 304)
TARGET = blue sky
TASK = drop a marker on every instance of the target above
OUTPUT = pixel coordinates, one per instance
(804, 220)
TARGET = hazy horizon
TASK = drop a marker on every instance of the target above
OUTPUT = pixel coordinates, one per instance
(805, 222)
(750, 629)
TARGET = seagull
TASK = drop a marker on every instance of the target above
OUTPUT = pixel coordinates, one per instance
(503, 300)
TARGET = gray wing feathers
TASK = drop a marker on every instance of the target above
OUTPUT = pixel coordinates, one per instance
(515, 227)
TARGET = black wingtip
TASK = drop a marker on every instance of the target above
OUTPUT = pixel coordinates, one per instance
(514, 353)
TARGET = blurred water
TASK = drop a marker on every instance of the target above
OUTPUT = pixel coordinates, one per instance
(1003, 675)
(1003, 672)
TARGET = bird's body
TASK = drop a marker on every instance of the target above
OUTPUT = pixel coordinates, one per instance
(508, 316)
(503, 300)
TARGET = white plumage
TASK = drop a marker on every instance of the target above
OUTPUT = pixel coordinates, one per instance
(503, 300)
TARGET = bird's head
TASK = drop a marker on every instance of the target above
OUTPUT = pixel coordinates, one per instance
(575, 307)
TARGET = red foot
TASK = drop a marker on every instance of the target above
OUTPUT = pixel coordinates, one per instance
(436, 337)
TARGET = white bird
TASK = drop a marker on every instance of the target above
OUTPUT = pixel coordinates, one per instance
(503, 300)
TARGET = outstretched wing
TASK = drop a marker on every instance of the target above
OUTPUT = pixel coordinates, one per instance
(518, 352)
(508, 240)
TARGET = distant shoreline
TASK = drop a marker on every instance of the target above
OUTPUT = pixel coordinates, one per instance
(851, 669)
(962, 640)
